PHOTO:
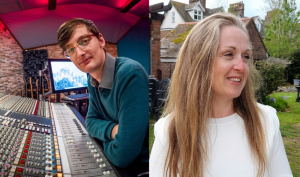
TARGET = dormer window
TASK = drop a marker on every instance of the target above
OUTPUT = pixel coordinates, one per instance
(197, 15)
(258, 27)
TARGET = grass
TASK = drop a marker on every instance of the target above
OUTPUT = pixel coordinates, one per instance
(289, 127)
(290, 131)
(151, 133)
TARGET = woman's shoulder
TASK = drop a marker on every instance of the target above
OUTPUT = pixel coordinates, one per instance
(161, 129)
(270, 115)
(266, 108)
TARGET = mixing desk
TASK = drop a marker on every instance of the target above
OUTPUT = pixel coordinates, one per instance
(42, 140)
(24, 105)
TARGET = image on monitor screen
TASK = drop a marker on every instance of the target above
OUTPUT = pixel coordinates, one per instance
(66, 76)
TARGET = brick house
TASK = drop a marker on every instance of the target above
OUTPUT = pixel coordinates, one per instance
(171, 44)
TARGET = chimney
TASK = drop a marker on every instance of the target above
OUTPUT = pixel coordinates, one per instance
(237, 9)
(268, 18)
(203, 3)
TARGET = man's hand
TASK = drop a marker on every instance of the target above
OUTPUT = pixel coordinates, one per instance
(114, 131)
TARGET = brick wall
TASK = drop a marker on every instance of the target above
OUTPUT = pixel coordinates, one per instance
(155, 36)
(237, 9)
(164, 33)
(258, 48)
(11, 63)
(167, 69)
(268, 17)
(54, 51)
(111, 49)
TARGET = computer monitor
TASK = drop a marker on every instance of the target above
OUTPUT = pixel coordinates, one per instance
(65, 76)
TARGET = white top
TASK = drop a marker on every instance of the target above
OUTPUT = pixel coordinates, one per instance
(230, 152)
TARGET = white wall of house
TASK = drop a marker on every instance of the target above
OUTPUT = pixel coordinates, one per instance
(199, 13)
(258, 23)
(169, 23)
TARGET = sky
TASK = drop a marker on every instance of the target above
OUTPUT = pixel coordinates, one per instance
(252, 7)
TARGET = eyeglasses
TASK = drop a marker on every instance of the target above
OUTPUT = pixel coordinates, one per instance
(83, 44)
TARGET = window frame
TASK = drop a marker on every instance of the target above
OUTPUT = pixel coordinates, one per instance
(197, 14)
(173, 17)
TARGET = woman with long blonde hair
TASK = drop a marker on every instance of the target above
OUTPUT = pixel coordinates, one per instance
(213, 125)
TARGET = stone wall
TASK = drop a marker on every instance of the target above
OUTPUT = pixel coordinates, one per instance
(11, 63)
(286, 89)
(155, 37)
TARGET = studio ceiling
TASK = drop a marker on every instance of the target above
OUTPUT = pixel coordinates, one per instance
(33, 25)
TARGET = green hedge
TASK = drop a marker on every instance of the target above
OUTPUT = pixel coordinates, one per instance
(294, 68)
(279, 103)
(272, 77)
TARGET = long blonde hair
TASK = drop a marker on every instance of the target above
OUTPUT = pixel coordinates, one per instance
(189, 102)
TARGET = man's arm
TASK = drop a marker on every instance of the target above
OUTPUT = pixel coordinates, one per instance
(114, 131)
(97, 126)
(133, 119)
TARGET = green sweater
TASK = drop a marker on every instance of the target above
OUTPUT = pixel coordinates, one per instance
(126, 104)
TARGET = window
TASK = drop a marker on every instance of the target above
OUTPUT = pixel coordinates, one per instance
(173, 17)
(258, 28)
(197, 15)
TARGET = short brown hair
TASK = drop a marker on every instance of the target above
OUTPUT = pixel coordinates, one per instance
(66, 29)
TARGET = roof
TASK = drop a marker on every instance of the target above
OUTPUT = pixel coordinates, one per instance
(170, 48)
(156, 7)
(33, 25)
(246, 22)
(209, 12)
(180, 7)
(171, 44)
(257, 17)
(193, 4)
(159, 7)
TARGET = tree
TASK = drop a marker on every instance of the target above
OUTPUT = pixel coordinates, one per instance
(294, 68)
(220, 3)
(282, 28)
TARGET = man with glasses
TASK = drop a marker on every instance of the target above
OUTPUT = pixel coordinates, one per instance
(118, 87)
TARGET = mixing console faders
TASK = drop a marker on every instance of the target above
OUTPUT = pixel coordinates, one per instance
(83, 156)
(25, 125)
(26, 150)
(27, 153)
(38, 139)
